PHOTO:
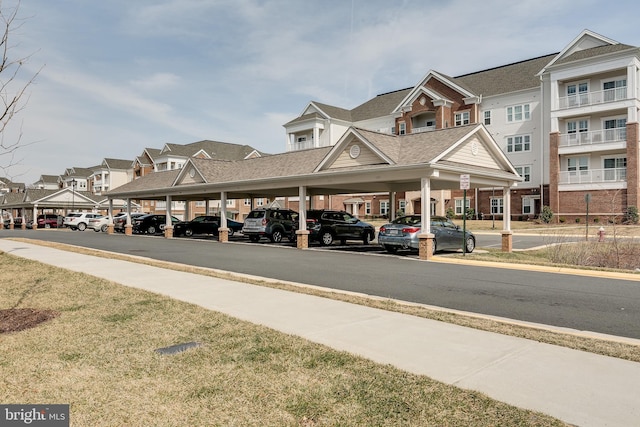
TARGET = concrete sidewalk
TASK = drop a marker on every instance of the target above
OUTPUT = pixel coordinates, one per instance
(580, 388)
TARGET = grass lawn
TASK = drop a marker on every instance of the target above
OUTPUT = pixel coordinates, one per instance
(98, 355)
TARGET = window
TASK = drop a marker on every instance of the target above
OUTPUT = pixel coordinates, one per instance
(497, 205)
(458, 205)
(528, 206)
(384, 207)
(518, 143)
(615, 129)
(518, 113)
(615, 168)
(403, 128)
(577, 94)
(302, 139)
(487, 117)
(260, 202)
(247, 202)
(575, 164)
(462, 118)
(525, 172)
(402, 205)
(231, 202)
(615, 90)
(367, 208)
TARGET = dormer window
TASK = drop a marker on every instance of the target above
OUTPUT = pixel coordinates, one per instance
(462, 118)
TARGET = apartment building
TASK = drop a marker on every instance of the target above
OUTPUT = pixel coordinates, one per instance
(567, 121)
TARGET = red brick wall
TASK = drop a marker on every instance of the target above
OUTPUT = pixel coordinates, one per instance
(632, 164)
(606, 204)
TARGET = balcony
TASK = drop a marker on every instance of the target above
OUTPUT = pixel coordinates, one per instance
(594, 137)
(592, 98)
(593, 176)
(423, 129)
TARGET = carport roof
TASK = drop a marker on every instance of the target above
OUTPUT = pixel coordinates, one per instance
(385, 159)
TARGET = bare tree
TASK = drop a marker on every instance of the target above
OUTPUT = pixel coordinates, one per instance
(13, 91)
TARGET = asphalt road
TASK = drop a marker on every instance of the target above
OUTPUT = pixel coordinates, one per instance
(607, 306)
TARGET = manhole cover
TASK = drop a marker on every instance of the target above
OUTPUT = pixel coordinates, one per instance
(178, 348)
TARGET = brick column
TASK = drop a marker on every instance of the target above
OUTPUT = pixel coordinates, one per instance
(128, 230)
(425, 247)
(507, 241)
(110, 228)
(223, 235)
(168, 232)
(632, 165)
(554, 173)
(302, 239)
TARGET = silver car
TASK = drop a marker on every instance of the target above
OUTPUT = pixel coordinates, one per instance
(403, 233)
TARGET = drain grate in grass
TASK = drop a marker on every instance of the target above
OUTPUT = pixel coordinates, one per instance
(178, 348)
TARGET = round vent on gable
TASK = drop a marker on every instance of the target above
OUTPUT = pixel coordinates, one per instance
(354, 151)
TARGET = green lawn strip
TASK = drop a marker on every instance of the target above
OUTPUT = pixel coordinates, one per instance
(99, 356)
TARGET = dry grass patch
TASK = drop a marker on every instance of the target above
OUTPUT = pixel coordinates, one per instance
(99, 356)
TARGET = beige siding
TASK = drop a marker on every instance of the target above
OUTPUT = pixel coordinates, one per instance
(186, 178)
(464, 154)
(366, 157)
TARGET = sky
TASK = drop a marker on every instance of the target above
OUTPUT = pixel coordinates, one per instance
(115, 77)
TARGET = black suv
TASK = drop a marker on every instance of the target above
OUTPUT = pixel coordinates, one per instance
(271, 223)
(326, 226)
(151, 223)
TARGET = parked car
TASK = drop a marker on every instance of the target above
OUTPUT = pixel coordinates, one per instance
(204, 224)
(79, 220)
(49, 221)
(17, 222)
(120, 220)
(151, 223)
(275, 224)
(402, 233)
(327, 226)
(100, 223)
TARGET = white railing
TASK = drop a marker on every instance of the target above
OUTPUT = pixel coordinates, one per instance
(423, 129)
(594, 137)
(592, 98)
(592, 176)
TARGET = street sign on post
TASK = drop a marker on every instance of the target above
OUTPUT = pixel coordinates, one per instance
(465, 184)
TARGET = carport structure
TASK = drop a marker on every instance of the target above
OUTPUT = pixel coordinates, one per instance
(362, 161)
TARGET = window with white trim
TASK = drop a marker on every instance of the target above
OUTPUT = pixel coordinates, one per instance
(403, 128)
(497, 205)
(231, 202)
(402, 205)
(458, 205)
(518, 113)
(367, 208)
(578, 93)
(525, 172)
(462, 118)
(615, 168)
(487, 117)
(384, 207)
(260, 202)
(528, 206)
(575, 164)
(247, 202)
(518, 143)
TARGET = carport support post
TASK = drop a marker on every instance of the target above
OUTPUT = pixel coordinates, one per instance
(223, 230)
(128, 227)
(392, 205)
(34, 215)
(302, 234)
(24, 219)
(425, 248)
(168, 225)
(110, 226)
(507, 234)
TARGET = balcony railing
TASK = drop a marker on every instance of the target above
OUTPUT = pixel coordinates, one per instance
(423, 129)
(593, 176)
(593, 98)
(594, 137)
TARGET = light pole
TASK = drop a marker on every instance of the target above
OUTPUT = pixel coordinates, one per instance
(73, 195)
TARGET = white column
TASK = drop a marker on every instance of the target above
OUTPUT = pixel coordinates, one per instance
(206, 206)
(223, 209)
(168, 217)
(506, 215)
(302, 194)
(425, 204)
(111, 210)
(35, 216)
(392, 205)
(187, 210)
(316, 137)
(128, 212)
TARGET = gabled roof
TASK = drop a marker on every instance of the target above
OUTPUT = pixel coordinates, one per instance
(78, 172)
(51, 179)
(114, 164)
(211, 149)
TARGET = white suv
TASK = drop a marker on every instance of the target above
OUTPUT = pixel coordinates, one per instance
(79, 220)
